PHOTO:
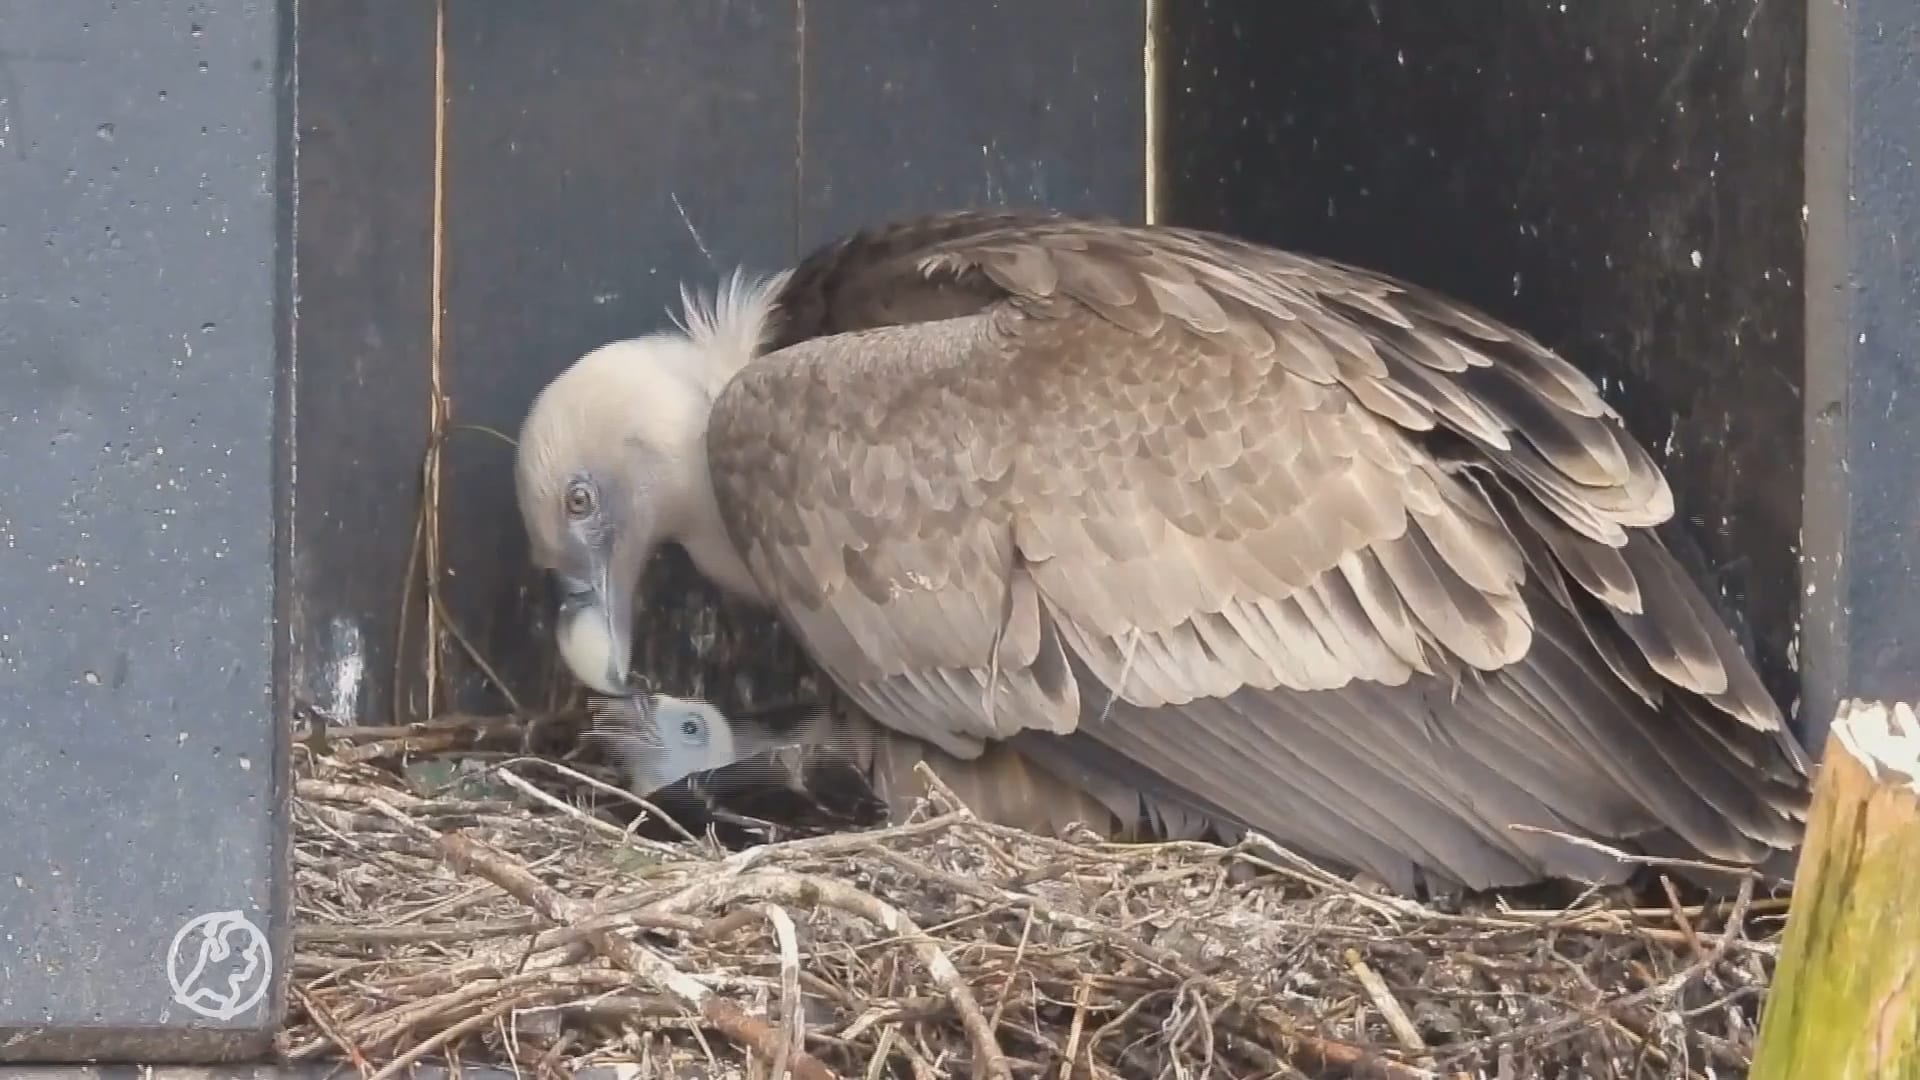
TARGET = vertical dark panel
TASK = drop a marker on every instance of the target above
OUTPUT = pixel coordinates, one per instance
(918, 105)
(142, 783)
(1622, 179)
(363, 250)
(598, 155)
(1863, 353)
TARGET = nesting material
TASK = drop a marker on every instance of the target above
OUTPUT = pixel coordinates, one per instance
(515, 925)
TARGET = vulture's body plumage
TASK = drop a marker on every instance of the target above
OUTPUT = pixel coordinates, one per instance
(1245, 535)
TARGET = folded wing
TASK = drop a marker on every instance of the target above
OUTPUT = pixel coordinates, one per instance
(1330, 555)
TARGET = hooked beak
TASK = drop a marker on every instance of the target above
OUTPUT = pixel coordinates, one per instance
(594, 629)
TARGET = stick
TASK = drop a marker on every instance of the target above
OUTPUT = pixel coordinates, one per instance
(619, 793)
(1846, 995)
(1332, 1053)
(1660, 992)
(471, 856)
(1389, 1006)
(790, 1006)
(790, 888)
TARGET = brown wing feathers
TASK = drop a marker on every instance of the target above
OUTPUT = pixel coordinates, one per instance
(1351, 563)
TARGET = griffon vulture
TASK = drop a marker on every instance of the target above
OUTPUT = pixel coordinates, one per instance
(1253, 537)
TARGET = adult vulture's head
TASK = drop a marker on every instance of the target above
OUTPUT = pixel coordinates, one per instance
(612, 464)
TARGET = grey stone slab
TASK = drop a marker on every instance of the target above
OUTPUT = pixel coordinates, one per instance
(141, 767)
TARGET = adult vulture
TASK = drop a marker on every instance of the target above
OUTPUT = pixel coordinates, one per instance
(1253, 537)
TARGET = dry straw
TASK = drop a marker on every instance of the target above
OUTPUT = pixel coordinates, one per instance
(527, 929)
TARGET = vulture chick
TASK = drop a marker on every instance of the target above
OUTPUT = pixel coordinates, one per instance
(657, 741)
(1250, 537)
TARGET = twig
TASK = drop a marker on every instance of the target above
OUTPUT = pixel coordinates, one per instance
(1629, 858)
(938, 790)
(1339, 1055)
(1660, 991)
(1389, 1006)
(786, 887)
(1680, 918)
(832, 845)
(414, 935)
(470, 856)
(792, 1019)
(604, 828)
(1013, 969)
(1082, 991)
(381, 1027)
(467, 646)
(465, 1027)
(329, 1027)
(618, 792)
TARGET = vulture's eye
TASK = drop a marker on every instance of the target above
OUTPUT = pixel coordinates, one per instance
(579, 499)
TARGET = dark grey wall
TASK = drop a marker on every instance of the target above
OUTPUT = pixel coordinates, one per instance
(1863, 367)
(1622, 179)
(597, 156)
(364, 256)
(141, 780)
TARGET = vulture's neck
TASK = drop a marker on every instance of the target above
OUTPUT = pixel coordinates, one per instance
(704, 536)
(725, 334)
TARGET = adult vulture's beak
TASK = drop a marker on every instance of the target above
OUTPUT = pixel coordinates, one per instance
(593, 627)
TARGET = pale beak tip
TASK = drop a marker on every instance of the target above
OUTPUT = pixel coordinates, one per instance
(593, 654)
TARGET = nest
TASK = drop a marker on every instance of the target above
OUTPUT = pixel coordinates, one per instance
(498, 913)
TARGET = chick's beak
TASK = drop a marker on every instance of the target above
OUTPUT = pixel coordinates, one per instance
(593, 630)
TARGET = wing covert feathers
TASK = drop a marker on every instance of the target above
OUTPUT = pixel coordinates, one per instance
(1346, 561)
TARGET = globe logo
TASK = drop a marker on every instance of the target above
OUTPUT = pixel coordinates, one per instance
(219, 965)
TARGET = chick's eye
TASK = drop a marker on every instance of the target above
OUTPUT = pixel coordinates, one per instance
(579, 499)
(690, 728)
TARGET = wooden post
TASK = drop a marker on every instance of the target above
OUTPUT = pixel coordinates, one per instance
(1845, 1003)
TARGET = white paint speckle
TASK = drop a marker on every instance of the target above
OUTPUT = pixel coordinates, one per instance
(346, 671)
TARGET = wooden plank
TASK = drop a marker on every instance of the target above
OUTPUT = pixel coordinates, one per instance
(1845, 999)
(1621, 179)
(1863, 352)
(142, 742)
(363, 251)
(598, 155)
